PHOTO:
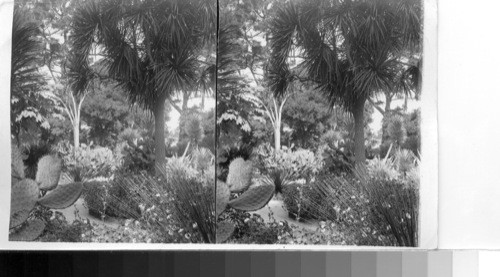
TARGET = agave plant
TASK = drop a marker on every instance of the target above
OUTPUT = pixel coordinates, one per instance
(26, 194)
(252, 198)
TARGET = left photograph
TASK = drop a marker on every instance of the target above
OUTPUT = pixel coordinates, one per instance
(113, 121)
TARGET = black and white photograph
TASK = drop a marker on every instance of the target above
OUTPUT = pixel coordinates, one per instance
(222, 124)
(318, 122)
(113, 121)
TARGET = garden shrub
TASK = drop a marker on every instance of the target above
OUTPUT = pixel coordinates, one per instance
(58, 229)
(252, 229)
(303, 202)
(335, 160)
(395, 205)
(87, 162)
(286, 165)
(108, 198)
(138, 155)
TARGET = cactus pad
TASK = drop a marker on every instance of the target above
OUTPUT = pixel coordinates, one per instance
(16, 164)
(240, 175)
(18, 218)
(24, 195)
(254, 198)
(222, 197)
(224, 231)
(49, 171)
(30, 231)
(62, 197)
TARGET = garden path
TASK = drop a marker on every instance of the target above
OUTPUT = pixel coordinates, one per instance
(79, 211)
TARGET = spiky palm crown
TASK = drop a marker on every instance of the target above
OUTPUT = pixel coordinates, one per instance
(152, 48)
(351, 49)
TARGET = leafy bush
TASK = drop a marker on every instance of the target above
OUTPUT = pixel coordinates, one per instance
(87, 162)
(286, 165)
(108, 198)
(59, 230)
(138, 155)
(252, 229)
(303, 202)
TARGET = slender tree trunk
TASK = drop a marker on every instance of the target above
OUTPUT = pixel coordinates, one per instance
(277, 135)
(202, 106)
(159, 114)
(386, 117)
(359, 131)
(182, 117)
(76, 134)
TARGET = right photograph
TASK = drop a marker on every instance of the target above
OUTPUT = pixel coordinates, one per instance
(319, 122)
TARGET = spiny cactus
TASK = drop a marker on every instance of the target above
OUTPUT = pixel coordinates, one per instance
(25, 195)
(253, 198)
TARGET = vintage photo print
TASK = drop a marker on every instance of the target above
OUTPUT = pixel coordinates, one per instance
(229, 124)
(319, 115)
(112, 119)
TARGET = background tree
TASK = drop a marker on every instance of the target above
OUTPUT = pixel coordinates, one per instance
(152, 48)
(350, 49)
(53, 18)
(28, 113)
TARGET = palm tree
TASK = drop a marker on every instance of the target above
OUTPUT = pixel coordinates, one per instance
(152, 48)
(351, 49)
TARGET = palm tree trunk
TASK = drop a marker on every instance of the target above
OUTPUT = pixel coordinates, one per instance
(386, 117)
(183, 114)
(359, 131)
(159, 114)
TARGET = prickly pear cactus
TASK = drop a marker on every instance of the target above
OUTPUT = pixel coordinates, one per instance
(24, 195)
(224, 231)
(253, 198)
(239, 177)
(62, 197)
(29, 231)
(49, 172)
(17, 165)
(222, 197)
